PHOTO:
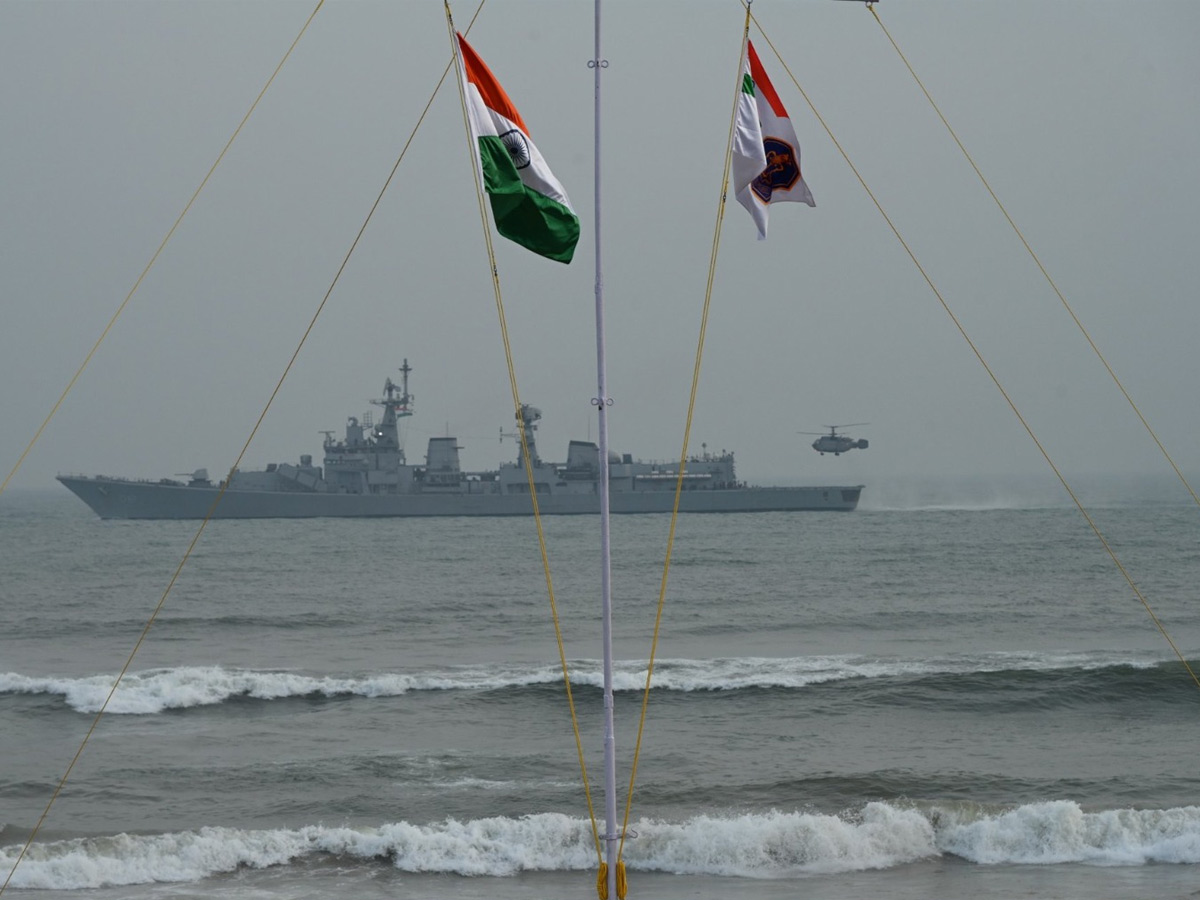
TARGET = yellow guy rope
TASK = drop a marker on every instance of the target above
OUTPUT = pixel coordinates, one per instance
(96, 346)
(157, 609)
(199, 531)
(992, 375)
(1034, 256)
(662, 591)
(512, 381)
(1079, 324)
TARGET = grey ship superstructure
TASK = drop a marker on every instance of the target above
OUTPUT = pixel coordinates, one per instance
(367, 474)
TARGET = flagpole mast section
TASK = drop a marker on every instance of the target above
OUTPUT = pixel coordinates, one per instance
(602, 401)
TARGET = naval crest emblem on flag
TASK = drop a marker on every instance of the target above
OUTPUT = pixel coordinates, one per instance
(782, 171)
(766, 152)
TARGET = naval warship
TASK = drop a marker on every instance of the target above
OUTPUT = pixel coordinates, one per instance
(366, 474)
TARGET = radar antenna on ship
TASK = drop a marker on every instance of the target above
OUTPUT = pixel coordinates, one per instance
(399, 405)
(527, 418)
(396, 403)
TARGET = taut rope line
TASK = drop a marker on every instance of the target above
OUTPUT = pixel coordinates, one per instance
(512, 381)
(1037, 261)
(687, 430)
(224, 486)
(154, 615)
(992, 375)
(120, 309)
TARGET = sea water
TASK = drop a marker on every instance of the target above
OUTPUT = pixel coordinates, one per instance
(912, 700)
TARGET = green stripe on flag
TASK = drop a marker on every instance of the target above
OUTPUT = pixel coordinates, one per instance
(523, 215)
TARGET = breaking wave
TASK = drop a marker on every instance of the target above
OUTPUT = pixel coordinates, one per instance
(769, 845)
(157, 690)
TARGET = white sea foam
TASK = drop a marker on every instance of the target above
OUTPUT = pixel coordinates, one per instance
(1060, 831)
(779, 844)
(770, 845)
(157, 690)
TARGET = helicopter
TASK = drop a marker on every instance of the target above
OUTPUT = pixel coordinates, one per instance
(835, 443)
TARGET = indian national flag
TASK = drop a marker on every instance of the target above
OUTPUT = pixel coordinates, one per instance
(528, 203)
(766, 153)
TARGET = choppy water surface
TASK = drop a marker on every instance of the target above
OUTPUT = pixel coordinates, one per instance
(922, 701)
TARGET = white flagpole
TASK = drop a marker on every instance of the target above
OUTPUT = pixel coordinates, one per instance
(611, 838)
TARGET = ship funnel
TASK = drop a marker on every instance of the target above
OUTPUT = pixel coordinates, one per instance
(583, 456)
(443, 455)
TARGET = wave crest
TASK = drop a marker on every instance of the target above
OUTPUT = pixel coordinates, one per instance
(767, 845)
(157, 690)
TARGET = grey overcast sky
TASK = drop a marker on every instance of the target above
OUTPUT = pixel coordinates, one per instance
(1082, 115)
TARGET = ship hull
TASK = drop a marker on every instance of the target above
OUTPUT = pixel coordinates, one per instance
(112, 498)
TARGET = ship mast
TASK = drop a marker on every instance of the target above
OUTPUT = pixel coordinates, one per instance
(602, 402)
(395, 406)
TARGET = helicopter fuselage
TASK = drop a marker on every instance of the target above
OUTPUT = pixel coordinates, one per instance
(837, 444)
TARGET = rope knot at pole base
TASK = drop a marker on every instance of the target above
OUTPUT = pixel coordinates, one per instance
(602, 881)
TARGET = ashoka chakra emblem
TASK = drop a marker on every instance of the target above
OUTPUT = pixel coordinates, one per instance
(517, 147)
